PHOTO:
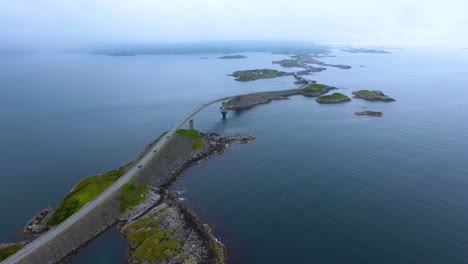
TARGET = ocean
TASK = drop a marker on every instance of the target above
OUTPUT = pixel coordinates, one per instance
(319, 184)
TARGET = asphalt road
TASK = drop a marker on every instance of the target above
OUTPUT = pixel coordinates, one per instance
(54, 232)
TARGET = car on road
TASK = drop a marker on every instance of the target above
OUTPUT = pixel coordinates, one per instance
(154, 151)
(139, 166)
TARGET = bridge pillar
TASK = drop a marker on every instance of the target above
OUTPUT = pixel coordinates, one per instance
(191, 124)
(223, 110)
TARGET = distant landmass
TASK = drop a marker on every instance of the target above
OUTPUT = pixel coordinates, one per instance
(214, 47)
(231, 57)
(364, 50)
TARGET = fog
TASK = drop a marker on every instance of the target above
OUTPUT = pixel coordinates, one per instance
(87, 23)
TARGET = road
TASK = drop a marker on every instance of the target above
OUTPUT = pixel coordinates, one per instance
(56, 231)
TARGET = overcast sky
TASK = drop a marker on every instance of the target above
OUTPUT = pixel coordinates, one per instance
(75, 23)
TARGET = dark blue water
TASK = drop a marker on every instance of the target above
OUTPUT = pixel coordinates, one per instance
(110, 248)
(67, 116)
(318, 185)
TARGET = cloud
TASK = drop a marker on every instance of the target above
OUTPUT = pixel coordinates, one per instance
(74, 23)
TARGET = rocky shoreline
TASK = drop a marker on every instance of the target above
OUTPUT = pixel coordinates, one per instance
(158, 178)
(38, 224)
(199, 245)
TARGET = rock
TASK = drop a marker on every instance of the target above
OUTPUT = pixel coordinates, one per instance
(368, 113)
(38, 224)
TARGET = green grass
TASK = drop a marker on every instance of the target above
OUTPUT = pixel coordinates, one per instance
(315, 88)
(194, 135)
(9, 250)
(334, 96)
(86, 190)
(132, 195)
(365, 93)
(153, 243)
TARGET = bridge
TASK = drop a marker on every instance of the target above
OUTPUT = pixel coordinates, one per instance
(58, 230)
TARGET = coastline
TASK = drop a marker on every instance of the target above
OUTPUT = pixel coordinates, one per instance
(107, 217)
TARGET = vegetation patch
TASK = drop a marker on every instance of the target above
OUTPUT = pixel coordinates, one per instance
(86, 190)
(316, 88)
(289, 63)
(154, 243)
(9, 249)
(194, 135)
(365, 93)
(251, 75)
(333, 98)
(132, 195)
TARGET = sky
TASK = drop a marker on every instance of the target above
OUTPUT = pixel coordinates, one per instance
(86, 23)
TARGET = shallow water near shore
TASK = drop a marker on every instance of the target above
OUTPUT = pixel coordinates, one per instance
(318, 185)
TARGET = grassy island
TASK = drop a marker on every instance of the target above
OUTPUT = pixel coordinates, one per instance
(86, 190)
(251, 75)
(289, 63)
(333, 99)
(194, 135)
(316, 89)
(372, 95)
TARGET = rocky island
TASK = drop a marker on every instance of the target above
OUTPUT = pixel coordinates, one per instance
(368, 113)
(251, 75)
(231, 57)
(334, 98)
(375, 95)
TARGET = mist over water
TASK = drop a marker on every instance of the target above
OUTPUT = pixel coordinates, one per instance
(318, 185)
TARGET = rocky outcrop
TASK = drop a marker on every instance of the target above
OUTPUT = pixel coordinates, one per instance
(375, 95)
(172, 233)
(38, 224)
(368, 113)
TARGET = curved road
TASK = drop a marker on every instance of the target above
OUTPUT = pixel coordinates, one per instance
(54, 232)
